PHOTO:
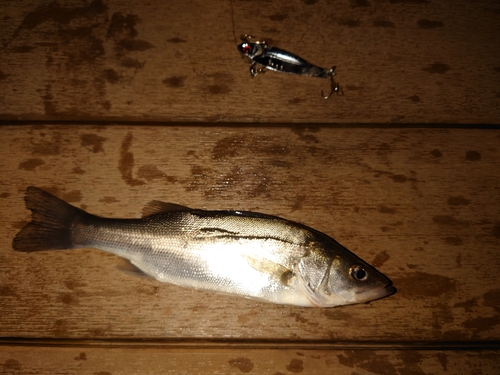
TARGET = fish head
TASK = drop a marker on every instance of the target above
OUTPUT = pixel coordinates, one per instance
(250, 50)
(333, 276)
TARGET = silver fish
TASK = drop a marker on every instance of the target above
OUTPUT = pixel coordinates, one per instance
(244, 253)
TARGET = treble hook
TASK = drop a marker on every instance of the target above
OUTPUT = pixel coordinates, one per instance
(334, 85)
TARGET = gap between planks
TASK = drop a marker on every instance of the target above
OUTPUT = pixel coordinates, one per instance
(233, 124)
(251, 344)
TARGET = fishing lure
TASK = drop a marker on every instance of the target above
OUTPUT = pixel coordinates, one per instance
(258, 53)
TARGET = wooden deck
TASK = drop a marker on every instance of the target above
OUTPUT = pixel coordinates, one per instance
(110, 104)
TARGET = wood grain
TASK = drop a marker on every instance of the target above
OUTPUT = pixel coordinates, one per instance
(50, 360)
(398, 61)
(421, 205)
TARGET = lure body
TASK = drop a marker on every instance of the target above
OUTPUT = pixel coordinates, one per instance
(258, 53)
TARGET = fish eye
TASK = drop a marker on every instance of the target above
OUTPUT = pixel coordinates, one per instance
(246, 48)
(358, 273)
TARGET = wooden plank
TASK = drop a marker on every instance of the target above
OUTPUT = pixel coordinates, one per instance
(398, 61)
(421, 205)
(67, 360)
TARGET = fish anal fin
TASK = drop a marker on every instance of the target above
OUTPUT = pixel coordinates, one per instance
(130, 269)
(275, 270)
(158, 207)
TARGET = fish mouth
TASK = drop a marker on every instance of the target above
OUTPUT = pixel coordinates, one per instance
(375, 294)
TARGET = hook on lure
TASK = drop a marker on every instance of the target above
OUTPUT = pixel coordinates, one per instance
(262, 57)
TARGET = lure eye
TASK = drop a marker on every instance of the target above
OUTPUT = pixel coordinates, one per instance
(358, 273)
(246, 49)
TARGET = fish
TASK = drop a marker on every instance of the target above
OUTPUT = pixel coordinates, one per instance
(248, 254)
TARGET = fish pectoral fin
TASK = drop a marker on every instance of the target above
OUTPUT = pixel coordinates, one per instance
(158, 207)
(275, 270)
(132, 270)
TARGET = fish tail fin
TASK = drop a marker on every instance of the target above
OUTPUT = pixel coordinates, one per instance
(50, 226)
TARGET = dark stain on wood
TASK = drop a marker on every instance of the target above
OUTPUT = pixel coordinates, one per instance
(309, 2)
(49, 106)
(108, 200)
(297, 204)
(52, 147)
(437, 68)
(295, 366)
(80, 46)
(298, 318)
(384, 23)
(219, 89)
(369, 361)
(7, 291)
(411, 361)
(4, 195)
(449, 220)
(31, 164)
(130, 63)
(481, 324)
(427, 24)
(458, 200)
(380, 259)
(468, 305)
(174, 81)
(126, 162)
(3, 75)
(135, 45)
(60, 328)
(415, 285)
(68, 299)
(386, 210)
(11, 365)
(81, 357)
(436, 153)
(349, 22)
(308, 138)
(242, 363)
(408, 1)
(78, 170)
(58, 14)
(336, 314)
(21, 49)
(176, 40)
(496, 230)
(278, 17)
(454, 241)
(71, 196)
(360, 3)
(443, 360)
(472, 155)
(94, 141)
(122, 27)
(112, 76)
(227, 147)
(399, 178)
(150, 172)
(492, 299)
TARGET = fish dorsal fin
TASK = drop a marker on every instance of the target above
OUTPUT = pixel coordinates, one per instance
(157, 207)
(130, 269)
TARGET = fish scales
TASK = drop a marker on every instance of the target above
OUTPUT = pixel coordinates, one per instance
(243, 253)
